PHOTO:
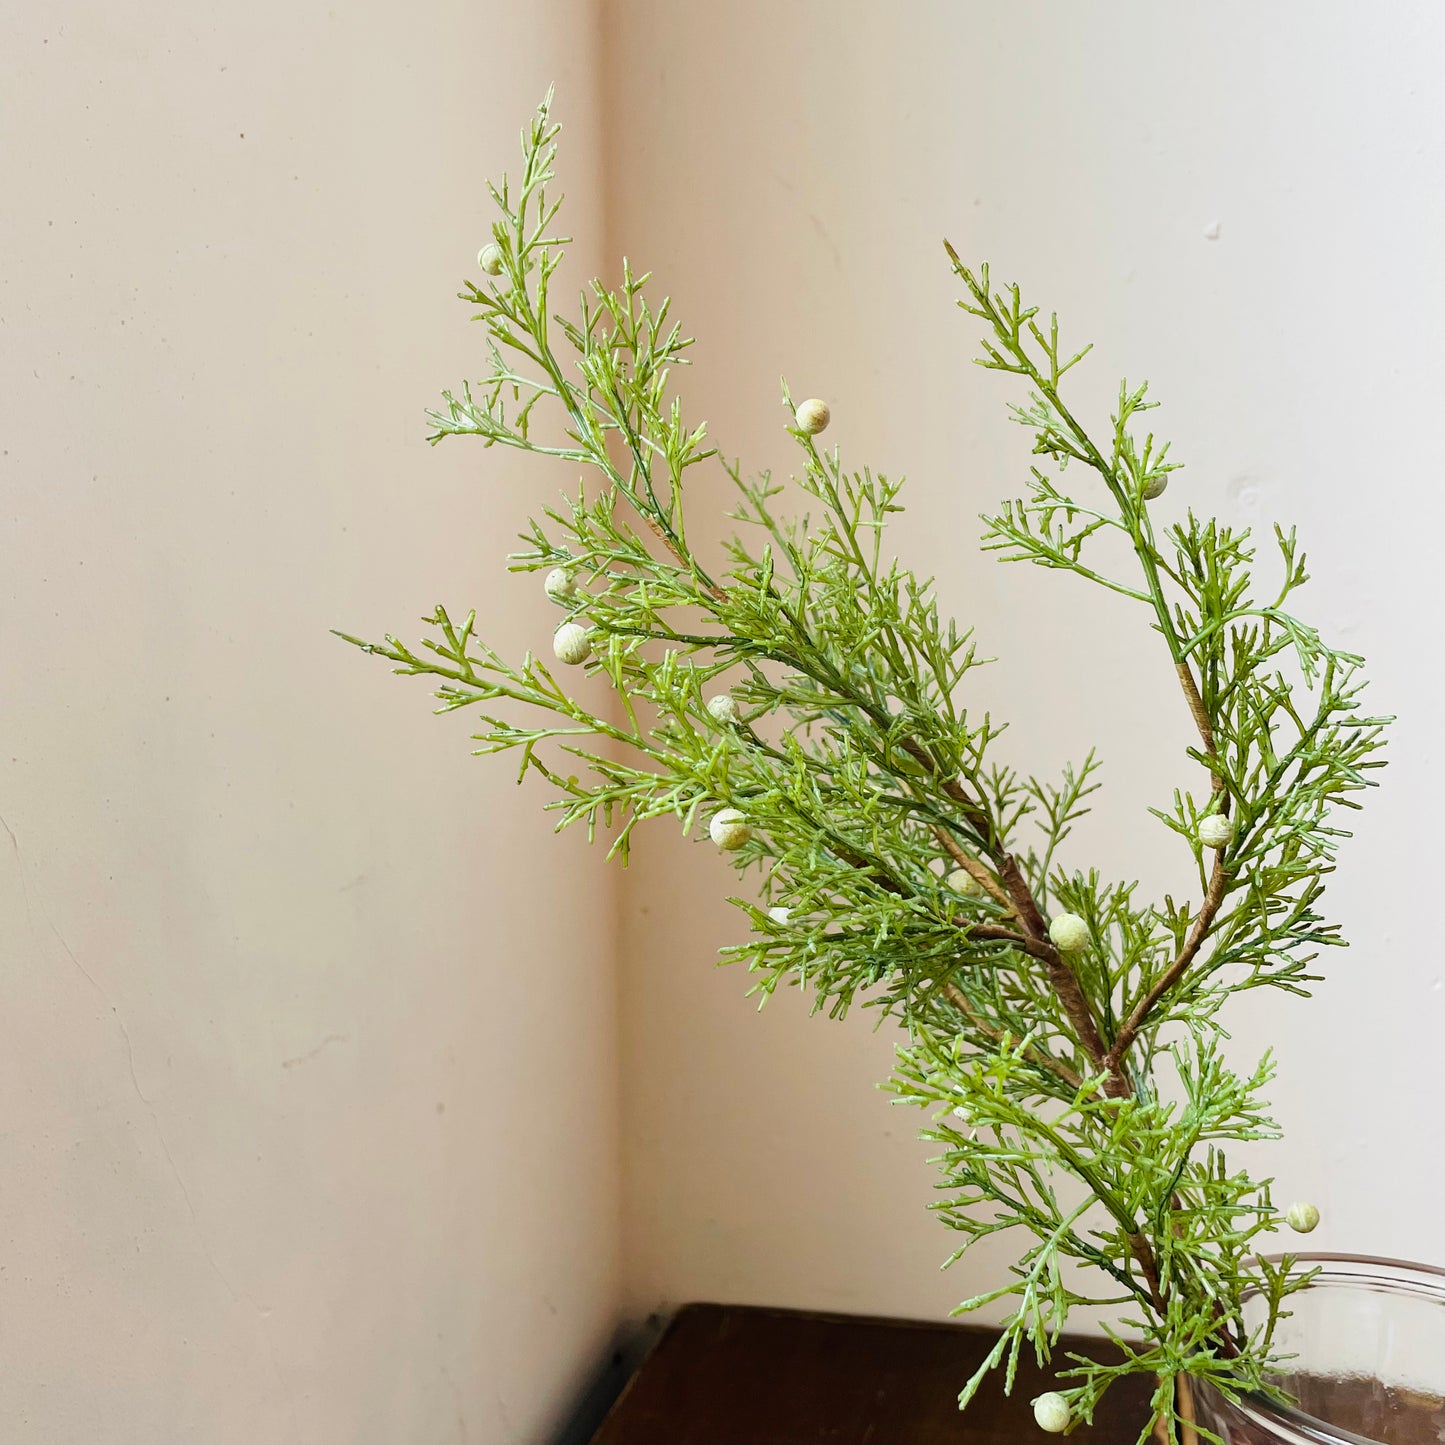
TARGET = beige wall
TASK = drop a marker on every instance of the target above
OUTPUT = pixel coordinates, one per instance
(308, 1074)
(798, 166)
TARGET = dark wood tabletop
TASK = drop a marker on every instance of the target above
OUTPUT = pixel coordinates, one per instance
(740, 1375)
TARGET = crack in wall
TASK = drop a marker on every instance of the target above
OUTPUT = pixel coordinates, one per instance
(312, 1053)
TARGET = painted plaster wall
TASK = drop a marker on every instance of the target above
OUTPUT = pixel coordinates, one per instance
(309, 1125)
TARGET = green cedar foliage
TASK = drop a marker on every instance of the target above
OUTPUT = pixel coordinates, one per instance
(1080, 1099)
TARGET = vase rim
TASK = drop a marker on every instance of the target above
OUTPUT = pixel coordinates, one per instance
(1427, 1280)
(1324, 1257)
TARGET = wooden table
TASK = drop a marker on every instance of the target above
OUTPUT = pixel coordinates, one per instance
(739, 1375)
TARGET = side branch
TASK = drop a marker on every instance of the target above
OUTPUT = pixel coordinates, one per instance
(1203, 922)
(975, 815)
(973, 868)
(1202, 722)
(1064, 981)
(1040, 1058)
(1213, 898)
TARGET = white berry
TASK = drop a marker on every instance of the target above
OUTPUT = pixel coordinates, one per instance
(962, 881)
(1052, 1413)
(1302, 1217)
(729, 829)
(560, 585)
(1069, 933)
(722, 708)
(489, 258)
(812, 416)
(780, 914)
(571, 644)
(1216, 831)
(1154, 486)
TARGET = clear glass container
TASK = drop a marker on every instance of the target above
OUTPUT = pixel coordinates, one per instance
(1368, 1340)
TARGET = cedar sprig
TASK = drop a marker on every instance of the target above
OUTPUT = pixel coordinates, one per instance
(1079, 1098)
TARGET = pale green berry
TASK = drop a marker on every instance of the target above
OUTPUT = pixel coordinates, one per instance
(729, 829)
(560, 585)
(722, 708)
(962, 881)
(812, 416)
(489, 258)
(1051, 1411)
(571, 644)
(1154, 486)
(1069, 933)
(779, 914)
(1216, 831)
(1302, 1217)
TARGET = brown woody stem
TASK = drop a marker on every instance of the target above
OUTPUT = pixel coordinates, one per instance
(1203, 921)
(1202, 722)
(1184, 1409)
(972, 867)
(1213, 898)
(1063, 979)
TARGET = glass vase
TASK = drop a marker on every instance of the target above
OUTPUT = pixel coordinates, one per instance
(1368, 1340)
